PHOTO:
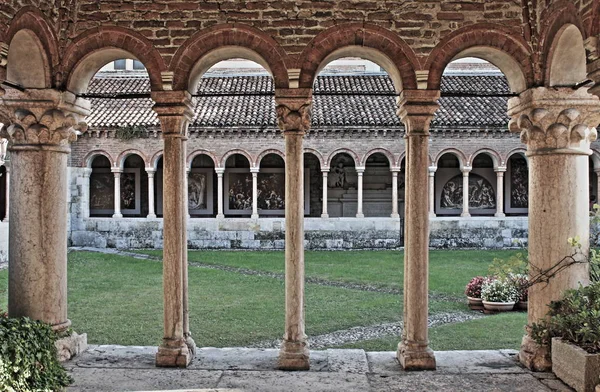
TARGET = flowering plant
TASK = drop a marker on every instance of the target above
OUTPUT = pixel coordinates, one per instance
(499, 290)
(473, 288)
(521, 282)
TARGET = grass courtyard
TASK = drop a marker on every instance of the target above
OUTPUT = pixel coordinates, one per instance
(118, 299)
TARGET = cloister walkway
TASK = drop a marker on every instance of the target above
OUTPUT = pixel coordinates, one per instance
(121, 368)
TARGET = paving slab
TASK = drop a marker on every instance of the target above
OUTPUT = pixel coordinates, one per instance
(237, 358)
(349, 361)
(114, 356)
(472, 362)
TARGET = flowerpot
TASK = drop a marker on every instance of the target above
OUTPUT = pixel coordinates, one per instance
(521, 305)
(574, 366)
(499, 306)
(475, 303)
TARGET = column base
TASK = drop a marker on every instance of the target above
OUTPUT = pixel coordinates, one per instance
(191, 345)
(173, 353)
(254, 216)
(117, 215)
(151, 216)
(414, 356)
(220, 216)
(325, 216)
(465, 215)
(534, 356)
(395, 216)
(360, 215)
(499, 215)
(432, 215)
(70, 345)
(293, 356)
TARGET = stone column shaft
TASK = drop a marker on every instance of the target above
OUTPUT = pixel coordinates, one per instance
(359, 204)
(254, 172)
(465, 188)
(293, 113)
(85, 203)
(220, 171)
(395, 193)
(432, 170)
(500, 192)
(597, 186)
(151, 212)
(117, 173)
(325, 173)
(416, 109)
(7, 209)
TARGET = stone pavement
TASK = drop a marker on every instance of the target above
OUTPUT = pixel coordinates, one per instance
(119, 368)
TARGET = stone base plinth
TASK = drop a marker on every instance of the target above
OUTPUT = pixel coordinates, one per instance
(70, 346)
(415, 358)
(173, 354)
(293, 356)
(191, 345)
(534, 356)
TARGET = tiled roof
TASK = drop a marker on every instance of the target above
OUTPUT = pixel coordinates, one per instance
(346, 100)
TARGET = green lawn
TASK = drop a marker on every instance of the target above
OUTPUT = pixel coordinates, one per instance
(118, 299)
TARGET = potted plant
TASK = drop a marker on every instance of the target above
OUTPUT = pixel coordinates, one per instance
(498, 294)
(521, 282)
(573, 330)
(473, 293)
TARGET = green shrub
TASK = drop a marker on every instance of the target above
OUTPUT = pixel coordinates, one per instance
(574, 318)
(28, 360)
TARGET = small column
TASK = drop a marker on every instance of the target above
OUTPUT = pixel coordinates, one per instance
(432, 170)
(395, 171)
(7, 212)
(186, 199)
(557, 125)
(220, 171)
(325, 172)
(254, 171)
(174, 109)
(85, 205)
(359, 204)
(597, 171)
(150, 171)
(293, 117)
(416, 110)
(117, 173)
(500, 191)
(465, 188)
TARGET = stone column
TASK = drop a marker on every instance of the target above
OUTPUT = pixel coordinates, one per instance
(465, 189)
(117, 173)
(557, 125)
(395, 171)
(220, 171)
(359, 204)
(174, 111)
(597, 171)
(432, 170)
(150, 171)
(43, 123)
(7, 208)
(293, 117)
(186, 198)
(416, 109)
(325, 172)
(85, 204)
(254, 171)
(500, 191)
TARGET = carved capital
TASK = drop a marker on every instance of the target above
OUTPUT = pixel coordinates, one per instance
(175, 112)
(416, 109)
(555, 121)
(293, 109)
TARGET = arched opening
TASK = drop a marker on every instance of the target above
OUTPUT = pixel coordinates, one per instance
(158, 186)
(271, 186)
(342, 186)
(237, 186)
(27, 63)
(102, 188)
(312, 170)
(201, 192)
(448, 186)
(3, 193)
(482, 186)
(566, 60)
(377, 186)
(594, 169)
(134, 187)
(517, 185)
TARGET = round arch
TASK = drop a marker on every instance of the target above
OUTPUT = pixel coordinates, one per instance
(514, 151)
(595, 157)
(496, 158)
(370, 42)
(462, 159)
(346, 151)
(155, 158)
(120, 162)
(233, 152)
(382, 151)
(317, 154)
(95, 48)
(89, 158)
(505, 48)
(564, 56)
(195, 153)
(264, 153)
(207, 47)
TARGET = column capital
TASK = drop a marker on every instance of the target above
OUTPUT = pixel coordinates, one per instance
(43, 117)
(116, 170)
(219, 170)
(395, 169)
(432, 169)
(175, 111)
(87, 172)
(150, 171)
(596, 170)
(254, 170)
(555, 121)
(293, 107)
(360, 169)
(466, 170)
(500, 169)
(325, 170)
(416, 109)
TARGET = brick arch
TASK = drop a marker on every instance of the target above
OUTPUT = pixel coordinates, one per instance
(195, 153)
(264, 153)
(462, 159)
(155, 158)
(343, 151)
(102, 45)
(316, 154)
(382, 151)
(120, 162)
(594, 28)
(496, 158)
(505, 45)
(518, 150)
(206, 44)
(236, 151)
(360, 35)
(31, 19)
(90, 156)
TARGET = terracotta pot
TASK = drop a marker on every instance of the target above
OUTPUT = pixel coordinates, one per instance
(574, 366)
(474, 301)
(499, 306)
(521, 305)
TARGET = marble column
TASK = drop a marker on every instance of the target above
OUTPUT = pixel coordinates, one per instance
(465, 191)
(359, 203)
(43, 124)
(117, 174)
(85, 204)
(186, 198)
(395, 171)
(151, 213)
(293, 117)
(416, 109)
(500, 191)
(557, 125)
(325, 172)
(7, 204)
(220, 171)
(174, 110)
(254, 171)
(432, 170)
